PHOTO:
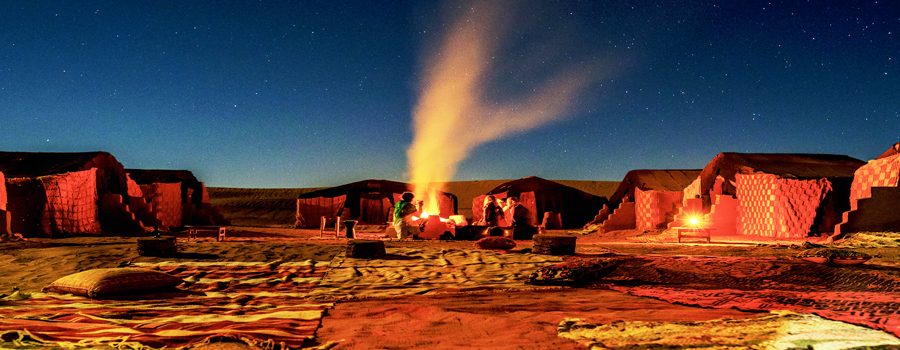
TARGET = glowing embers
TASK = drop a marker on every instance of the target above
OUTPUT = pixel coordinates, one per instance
(436, 227)
(426, 215)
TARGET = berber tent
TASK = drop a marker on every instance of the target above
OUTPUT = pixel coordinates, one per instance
(782, 195)
(57, 193)
(575, 207)
(369, 201)
(657, 194)
(176, 196)
(874, 196)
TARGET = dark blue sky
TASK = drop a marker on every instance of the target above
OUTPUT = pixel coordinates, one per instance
(321, 93)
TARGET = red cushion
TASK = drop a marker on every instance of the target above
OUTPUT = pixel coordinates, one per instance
(495, 243)
(98, 283)
(834, 256)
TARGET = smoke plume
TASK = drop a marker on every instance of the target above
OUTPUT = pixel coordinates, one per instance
(462, 103)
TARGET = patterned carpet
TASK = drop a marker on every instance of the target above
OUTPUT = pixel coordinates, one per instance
(861, 295)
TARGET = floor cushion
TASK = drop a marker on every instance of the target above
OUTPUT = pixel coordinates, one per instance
(99, 283)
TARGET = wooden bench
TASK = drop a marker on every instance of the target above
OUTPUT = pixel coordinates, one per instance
(694, 232)
(219, 231)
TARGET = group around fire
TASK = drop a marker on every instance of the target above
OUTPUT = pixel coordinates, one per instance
(503, 214)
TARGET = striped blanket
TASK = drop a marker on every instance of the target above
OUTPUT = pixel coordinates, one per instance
(261, 304)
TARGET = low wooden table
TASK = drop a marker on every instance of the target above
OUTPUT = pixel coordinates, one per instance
(694, 232)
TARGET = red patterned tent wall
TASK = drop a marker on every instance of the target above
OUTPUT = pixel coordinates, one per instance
(654, 208)
(874, 197)
(770, 206)
(882, 172)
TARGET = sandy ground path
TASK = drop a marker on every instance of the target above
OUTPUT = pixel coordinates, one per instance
(492, 320)
(525, 319)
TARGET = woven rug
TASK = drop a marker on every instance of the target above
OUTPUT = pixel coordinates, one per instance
(860, 295)
(407, 271)
(777, 331)
(261, 304)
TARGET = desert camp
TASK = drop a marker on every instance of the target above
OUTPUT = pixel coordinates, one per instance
(654, 204)
(519, 268)
(442, 175)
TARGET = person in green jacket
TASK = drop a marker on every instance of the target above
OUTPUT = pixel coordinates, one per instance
(404, 211)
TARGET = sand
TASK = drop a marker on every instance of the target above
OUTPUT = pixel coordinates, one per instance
(491, 319)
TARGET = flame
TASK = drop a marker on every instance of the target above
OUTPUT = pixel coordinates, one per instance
(429, 195)
(456, 111)
(425, 215)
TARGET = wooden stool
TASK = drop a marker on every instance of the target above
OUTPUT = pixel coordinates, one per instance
(553, 244)
(157, 246)
(365, 249)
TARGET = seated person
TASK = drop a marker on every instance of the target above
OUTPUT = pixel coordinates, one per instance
(404, 211)
(492, 212)
(519, 219)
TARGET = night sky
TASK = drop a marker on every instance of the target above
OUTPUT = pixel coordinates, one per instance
(270, 94)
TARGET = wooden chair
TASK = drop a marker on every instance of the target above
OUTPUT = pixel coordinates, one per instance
(325, 224)
(331, 230)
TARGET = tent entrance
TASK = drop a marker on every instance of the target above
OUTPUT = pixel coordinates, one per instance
(375, 209)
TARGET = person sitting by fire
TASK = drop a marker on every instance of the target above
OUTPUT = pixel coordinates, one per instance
(519, 220)
(493, 213)
(404, 212)
(504, 207)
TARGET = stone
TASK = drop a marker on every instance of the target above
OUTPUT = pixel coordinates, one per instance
(553, 244)
(365, 249)
(157, 246)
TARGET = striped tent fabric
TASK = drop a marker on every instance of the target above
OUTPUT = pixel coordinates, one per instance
(310, 210)
(262, 304)
(770, 206)
(882, 172)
